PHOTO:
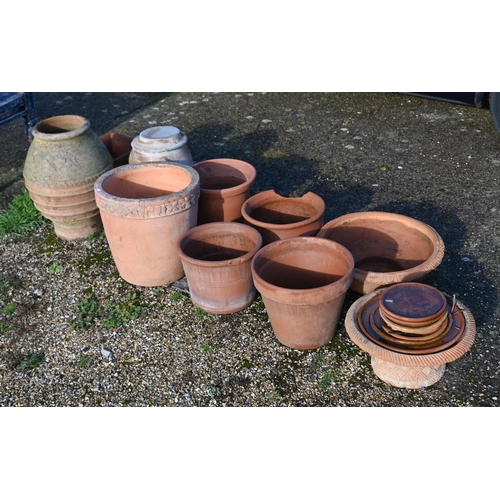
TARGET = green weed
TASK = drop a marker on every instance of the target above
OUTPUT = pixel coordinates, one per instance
(83, 361)
(5, 328)
(21, 217)
(111, 315)
(200, 312)
(327, 379)
(9, 308)
(4, 284)
(207, 348)
(55, 268)
(177, 296)
(31, 361)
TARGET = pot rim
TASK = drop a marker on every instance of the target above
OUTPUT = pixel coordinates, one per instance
(311, 294)
(409, 274)
(212, 228)
(82, 126)
(271, 194)
(160, 205)
(247, 169)
(159, 145)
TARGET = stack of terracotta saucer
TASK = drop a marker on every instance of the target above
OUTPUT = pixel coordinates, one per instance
(412, 318)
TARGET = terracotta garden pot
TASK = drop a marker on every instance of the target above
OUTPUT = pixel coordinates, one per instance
(277, 217)
(225, 185)
(303, 282)
(158, 144)
(145, 208)
(388, 248)
(119, 147)
(216, 259)
(63, 162)
(400, 364)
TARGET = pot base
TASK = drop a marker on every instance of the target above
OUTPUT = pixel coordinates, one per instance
(78, 230)
(407, 377)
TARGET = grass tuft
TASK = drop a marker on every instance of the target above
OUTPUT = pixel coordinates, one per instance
(21, 217)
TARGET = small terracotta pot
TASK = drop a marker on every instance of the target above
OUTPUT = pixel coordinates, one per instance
(216, 258)
(163, 143)
(388, 248)
(303, 282)
(225, 185)
(145, 208)
(63, 162)
(119, 147)
(277, 217)
(402, 369)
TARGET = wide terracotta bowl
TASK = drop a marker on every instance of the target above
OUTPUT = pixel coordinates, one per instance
(387, 248)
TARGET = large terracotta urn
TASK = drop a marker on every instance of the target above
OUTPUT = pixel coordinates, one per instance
(388, 248)
(62, 164)
(277, 217)
(145, 208)
(303, 282)
(216, 258)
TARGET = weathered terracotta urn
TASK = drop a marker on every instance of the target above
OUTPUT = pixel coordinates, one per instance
(303, 282)
(411, 332)
(63, 162)
(216, 258)
(145, 208)
(277, 217)
(388, 248)
(225, 185)
(162, 143)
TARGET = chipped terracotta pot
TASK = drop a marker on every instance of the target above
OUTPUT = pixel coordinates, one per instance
(216, 258)
(62, 164)
(388, 248)
(145, 208)
(163, 143)
(225, 185)
(303, 282)
(402, 365)
(277, 217)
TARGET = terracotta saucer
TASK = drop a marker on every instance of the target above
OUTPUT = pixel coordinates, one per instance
(451, 337)
(412, 304)
(416, 331)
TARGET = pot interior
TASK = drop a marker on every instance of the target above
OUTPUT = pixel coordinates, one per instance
(301, 268)
(219, 175)
(382, 246)
(217, 246)
(146, 182)
(60, 124)
(281, 212)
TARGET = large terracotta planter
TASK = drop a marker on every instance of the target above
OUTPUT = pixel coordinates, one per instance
(163, 143)
(216, 258)
(303, 282)
(277, 217)
(62, 164)
(388, 248)
(225, 185)
(145, 208)
(402, 365)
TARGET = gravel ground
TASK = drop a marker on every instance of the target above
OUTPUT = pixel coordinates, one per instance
(434, 161)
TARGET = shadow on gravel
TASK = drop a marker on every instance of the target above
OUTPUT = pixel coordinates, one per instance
(288, 175)
(458, 274)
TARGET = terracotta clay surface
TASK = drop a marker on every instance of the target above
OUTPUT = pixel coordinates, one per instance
(388, 248)
(119, 147)
(63, 162)
(404, 368)
(145, 208)
(303, 282)
(225, 185)
(216, 258)
(277, 217)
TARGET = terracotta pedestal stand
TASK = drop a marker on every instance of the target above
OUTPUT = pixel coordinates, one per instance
(401, 369)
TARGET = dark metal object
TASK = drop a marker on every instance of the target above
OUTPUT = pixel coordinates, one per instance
(16, 105)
